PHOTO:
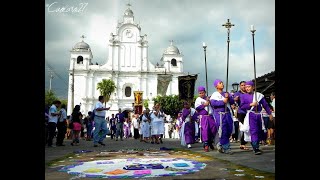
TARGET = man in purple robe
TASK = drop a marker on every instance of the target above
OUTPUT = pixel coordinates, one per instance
(189, 116)
(220, 103)
(207, 123)
(253, 122)
(241, 113)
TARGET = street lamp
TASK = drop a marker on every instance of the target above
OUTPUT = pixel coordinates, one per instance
(254, 63)
(235, 86)
(205, 62)
(227, 25)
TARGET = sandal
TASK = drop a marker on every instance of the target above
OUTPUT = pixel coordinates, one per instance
(244, 148)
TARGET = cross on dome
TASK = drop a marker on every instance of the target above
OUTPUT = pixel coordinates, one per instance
(82, 37)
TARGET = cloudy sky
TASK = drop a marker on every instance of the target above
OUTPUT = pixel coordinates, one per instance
(188, 23)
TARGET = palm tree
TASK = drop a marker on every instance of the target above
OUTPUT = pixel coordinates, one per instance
(106, 87)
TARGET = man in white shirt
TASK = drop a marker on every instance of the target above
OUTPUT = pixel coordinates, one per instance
(135, 125)
(52, 122)
(100, 123)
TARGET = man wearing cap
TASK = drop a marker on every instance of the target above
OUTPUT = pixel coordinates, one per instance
(253, 102)
(220, 103)
(207, 124)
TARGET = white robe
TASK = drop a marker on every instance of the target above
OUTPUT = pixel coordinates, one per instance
(199, 101)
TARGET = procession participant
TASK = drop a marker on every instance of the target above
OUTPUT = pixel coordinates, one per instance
(119, 125)
(253, 122)
(207, 123)
(112, 126)
(157, 124)
(241, 113)
(135, 124)
(126, 128)
(187, 132)
(178, 125)
(145, 128)
(220, 103)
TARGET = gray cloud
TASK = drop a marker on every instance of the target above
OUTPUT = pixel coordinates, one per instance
(187, 22)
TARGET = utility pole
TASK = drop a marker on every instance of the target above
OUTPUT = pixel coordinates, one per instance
(51, 77)
(72, 86)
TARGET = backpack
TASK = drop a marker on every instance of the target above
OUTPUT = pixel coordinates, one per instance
(93, 114)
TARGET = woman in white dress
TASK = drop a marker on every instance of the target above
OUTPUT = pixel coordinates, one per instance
(145, 125)
(157, 124)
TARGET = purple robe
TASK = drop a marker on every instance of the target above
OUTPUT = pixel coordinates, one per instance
(255, 119)
(207, 123)
(227, 121)
(239, 93)
(189, 127)
(126, 130)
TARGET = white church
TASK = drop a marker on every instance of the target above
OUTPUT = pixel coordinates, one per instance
(127, 65)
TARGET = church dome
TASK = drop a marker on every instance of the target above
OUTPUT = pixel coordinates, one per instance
(82, 46)
(128, 12)
(172, 50)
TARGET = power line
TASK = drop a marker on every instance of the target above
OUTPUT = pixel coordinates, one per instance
(52, 69)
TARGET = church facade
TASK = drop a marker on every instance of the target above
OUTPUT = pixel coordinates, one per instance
(127, 65)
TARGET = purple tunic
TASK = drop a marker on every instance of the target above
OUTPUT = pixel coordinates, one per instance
(207, 123)
(240, 111)
(189, 127)
(126, 130)
(255, 119)
(227, 121)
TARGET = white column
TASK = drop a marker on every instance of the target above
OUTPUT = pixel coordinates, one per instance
(85, 92)
(144, 50)
(116, 59)
(110, 56)
(69, 108)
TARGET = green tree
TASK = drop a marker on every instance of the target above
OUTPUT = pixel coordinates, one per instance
(171, 104)
(106, 87)
(146, 103)
(50, 96)
(64, 101)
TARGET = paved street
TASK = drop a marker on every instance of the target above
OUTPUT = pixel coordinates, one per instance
(221, 166)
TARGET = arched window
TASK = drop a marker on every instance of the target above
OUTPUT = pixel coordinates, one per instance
(173, 62)
(127, 91)
(79, 60)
